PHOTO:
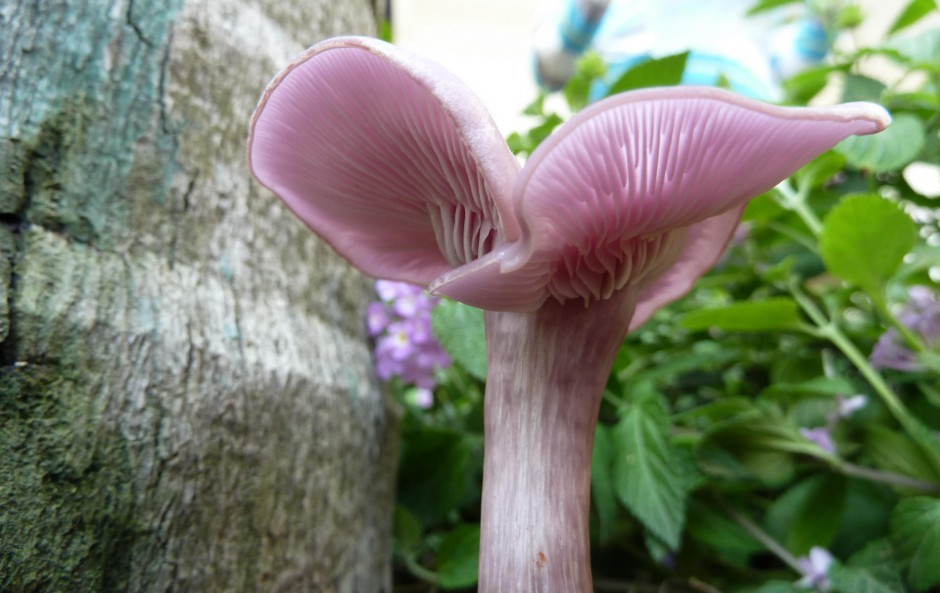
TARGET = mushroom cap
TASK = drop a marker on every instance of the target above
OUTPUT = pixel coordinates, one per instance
(384, 154)
(396, 164)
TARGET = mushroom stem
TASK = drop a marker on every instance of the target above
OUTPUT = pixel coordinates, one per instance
(547, 372)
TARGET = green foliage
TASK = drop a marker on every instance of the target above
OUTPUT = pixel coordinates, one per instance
(892, 149)
(460, 329)
(864, 240)
(915, 533)
(665, 71)
(775, 314)
(459, 557)
(708, 471)
(647, 477)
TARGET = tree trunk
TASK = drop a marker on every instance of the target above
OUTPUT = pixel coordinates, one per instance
(186, 395)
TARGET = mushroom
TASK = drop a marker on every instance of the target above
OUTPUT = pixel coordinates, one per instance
(398, 166)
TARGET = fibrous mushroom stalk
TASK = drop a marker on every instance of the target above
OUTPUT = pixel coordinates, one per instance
(547, 372)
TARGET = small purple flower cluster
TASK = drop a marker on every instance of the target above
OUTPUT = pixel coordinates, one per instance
(922, 315)
(405, 344)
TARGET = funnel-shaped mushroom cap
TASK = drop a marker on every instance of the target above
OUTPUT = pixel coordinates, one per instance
(386, 156)
(645, 189)
(398, 166)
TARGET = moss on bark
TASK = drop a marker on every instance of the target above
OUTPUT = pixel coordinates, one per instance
(65, 497)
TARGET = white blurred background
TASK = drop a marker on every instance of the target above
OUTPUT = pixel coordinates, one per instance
(488, 44)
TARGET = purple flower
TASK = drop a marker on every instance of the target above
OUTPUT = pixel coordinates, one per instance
(377, 318)
(822, 436)
(815, 568)
(848, 406)
(405, 343)
(922, 315)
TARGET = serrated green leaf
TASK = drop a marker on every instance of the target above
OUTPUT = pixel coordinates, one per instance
(458, 558)
(602, 484)
(864, 240)
(872, 570)
(895, 147)
(913, 12)
(646, 477)
(776, 314)
(461, 330)
(915, 534)
(809, 513)
(665, 71)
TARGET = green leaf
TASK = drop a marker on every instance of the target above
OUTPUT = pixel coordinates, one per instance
(759, 444)
(861, 88)
(864, 240)
(802, 87)
(915, 533)
(913, 12)
(602, 484)
(820, 170)
(407, 529)
(780, 587)
(665, 71)
(894, 451)
(819, 386)
(590, 68)
(461, 331)
(889, 150)
(921, 50)
(765, 5)
(434, 473)
(458, 558)
(717, 531)
(774, 314)
(646, 475)
(872, 570)
(809, 513)
(763, 208)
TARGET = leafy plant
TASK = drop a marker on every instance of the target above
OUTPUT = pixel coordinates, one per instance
(734, 447)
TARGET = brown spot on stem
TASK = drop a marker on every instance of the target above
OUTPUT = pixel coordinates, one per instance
(542, 560)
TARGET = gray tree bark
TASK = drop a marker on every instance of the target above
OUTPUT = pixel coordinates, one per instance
(186, 395)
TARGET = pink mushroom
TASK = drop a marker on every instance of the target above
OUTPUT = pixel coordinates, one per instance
(397, 165)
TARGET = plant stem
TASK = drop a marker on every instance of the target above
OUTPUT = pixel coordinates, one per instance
(890, 478)
(828, 329)
(760, 535)
(547, 372)
(796, 202)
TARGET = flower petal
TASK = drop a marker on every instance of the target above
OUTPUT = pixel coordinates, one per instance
(638, 166)
(387, 156)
